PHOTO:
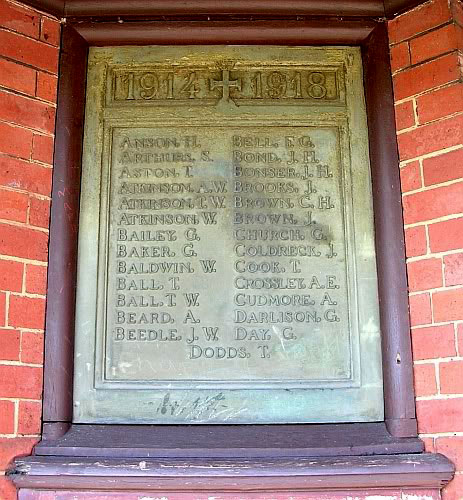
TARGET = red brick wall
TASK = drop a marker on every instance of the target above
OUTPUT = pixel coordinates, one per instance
(427, 73)
(28, 68)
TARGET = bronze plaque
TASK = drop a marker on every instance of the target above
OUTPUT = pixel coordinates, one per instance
(226, 257)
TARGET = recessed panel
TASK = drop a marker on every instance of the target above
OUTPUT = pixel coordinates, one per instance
(227, 257)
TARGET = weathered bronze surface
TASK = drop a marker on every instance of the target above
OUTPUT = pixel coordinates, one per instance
(226, 256)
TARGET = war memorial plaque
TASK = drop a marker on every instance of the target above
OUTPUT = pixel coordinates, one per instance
(227, 266)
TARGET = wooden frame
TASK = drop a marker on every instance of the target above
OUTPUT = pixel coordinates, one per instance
(238, 476)
(141, 8)
(400, 419)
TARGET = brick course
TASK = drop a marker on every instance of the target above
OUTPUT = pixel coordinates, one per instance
(420, 20)
(433, 342)
(415, 241)
(426, 60)
(443, 168)
(28, 65)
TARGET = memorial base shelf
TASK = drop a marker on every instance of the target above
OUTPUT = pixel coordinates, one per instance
(244, 476)
(222, 441)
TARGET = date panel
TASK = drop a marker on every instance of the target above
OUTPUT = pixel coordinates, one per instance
(237, 85)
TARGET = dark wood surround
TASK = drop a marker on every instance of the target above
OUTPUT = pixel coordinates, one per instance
(426, 471)
(200, 32)
(399, 397)
(227, 441)
(92, 22)
(398, 380)
(273, 8)
(64, 229)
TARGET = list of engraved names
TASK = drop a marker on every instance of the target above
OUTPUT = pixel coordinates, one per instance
(227, 255)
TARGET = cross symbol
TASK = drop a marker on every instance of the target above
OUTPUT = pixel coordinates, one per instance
(226, 85)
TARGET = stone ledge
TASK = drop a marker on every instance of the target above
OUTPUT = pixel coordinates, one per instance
(423, 471)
